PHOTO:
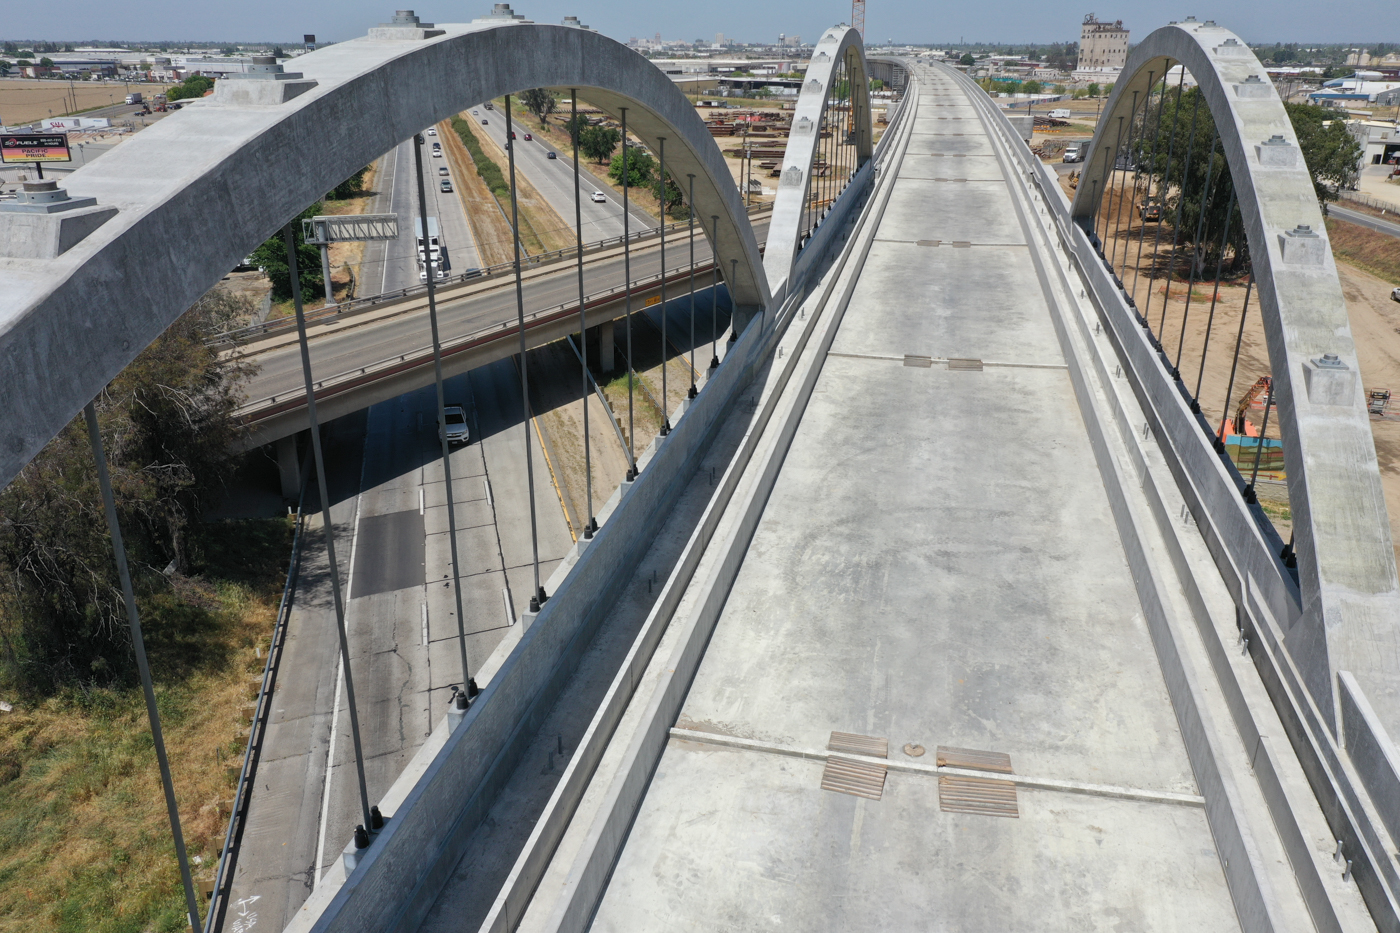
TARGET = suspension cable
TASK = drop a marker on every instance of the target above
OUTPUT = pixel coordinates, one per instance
(469, 689)
(1234, 366)
(325, 497)
(1214, 297)
(1180, 204)
(1207, 201)
(143, 667)
(592, 524)
(1151, 171)
(691, 393)
(1161, 196)
(538, 597)
(627, 274)
(665, 397)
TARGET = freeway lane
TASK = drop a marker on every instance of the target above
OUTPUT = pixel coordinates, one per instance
(554, 178)
(389, 265)
(335, 352)
(1364, 220)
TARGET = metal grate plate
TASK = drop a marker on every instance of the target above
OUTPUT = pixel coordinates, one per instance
(986, 796)
(974, 759)
(853, 744)
(961, 244)
(969, 365)
(921, 362)
(927, 242)
(857, 778)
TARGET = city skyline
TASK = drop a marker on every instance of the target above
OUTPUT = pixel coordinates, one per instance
(904, 21)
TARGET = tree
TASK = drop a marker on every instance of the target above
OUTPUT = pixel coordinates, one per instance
(575, 125)
(46, 62)
(598, 143)
(671, 191)
(349, 187)
(1093, 90)
(271, 257)
(967, 59)
(1032, 87)
(641, 167)
(167, 422)
(278, 52)
(540, 102)
(1330, 152)
(195, 86)
(876, 84)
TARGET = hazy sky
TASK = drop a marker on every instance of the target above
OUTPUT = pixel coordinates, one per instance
(902, 20)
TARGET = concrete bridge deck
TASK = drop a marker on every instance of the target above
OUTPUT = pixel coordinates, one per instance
(938, 564)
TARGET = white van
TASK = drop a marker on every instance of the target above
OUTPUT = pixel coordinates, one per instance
(1061, 114)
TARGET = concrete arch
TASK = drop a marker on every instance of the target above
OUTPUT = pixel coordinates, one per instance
(837, 44)
(1350, 593)
(228, 172)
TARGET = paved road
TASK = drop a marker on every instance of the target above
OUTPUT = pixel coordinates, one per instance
(390, 512)
(390, 264)
(1363, 220)
(554, 178)
(335, 351)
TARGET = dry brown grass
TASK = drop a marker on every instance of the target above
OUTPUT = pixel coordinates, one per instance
(24, 100)
(84, 839)
(1377, 253)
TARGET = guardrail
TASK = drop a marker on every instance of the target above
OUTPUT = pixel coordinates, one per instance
(1368, 201)
(356, 306)
(348, 379)
(223, 879)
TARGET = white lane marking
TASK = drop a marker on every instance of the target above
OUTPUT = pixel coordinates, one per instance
(340, 669)
(510, 612)
(420, 500)
(330, 757)
(425, 623)
(487, 483)
(393, 179)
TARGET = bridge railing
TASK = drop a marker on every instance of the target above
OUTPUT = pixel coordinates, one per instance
(422, 356)
(358, 306)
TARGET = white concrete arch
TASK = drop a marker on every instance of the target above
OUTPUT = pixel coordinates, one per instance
(837, 44)
(1350, 594)
(196, 192)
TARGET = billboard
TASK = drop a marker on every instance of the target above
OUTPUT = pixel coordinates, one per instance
(34, 147)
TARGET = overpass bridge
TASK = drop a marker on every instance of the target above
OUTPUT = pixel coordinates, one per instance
(946, 602)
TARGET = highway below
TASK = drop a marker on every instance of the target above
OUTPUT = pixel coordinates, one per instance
(554, 178)
(388, 505)
(390, 264)
(1377, 224)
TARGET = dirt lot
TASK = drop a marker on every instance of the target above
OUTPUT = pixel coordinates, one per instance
(24, 100)
(1375, 325)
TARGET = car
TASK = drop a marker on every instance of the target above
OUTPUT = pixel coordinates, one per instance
(1395, 294)
(599, 197)
(551, 154)
(512, 136)
(443, 171)
(454, 419)
(507, 147)
(1151, 212)
(528, 137)
(432, 132)
(476, 113)
(437, 153)
(446, 186)
(484, 122)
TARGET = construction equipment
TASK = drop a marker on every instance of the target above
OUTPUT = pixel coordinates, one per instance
(858, 17)
(1376, 400)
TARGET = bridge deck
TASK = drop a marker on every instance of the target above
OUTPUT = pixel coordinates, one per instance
(937, 565)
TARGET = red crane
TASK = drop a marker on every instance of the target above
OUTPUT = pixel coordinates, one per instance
(858, 17)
